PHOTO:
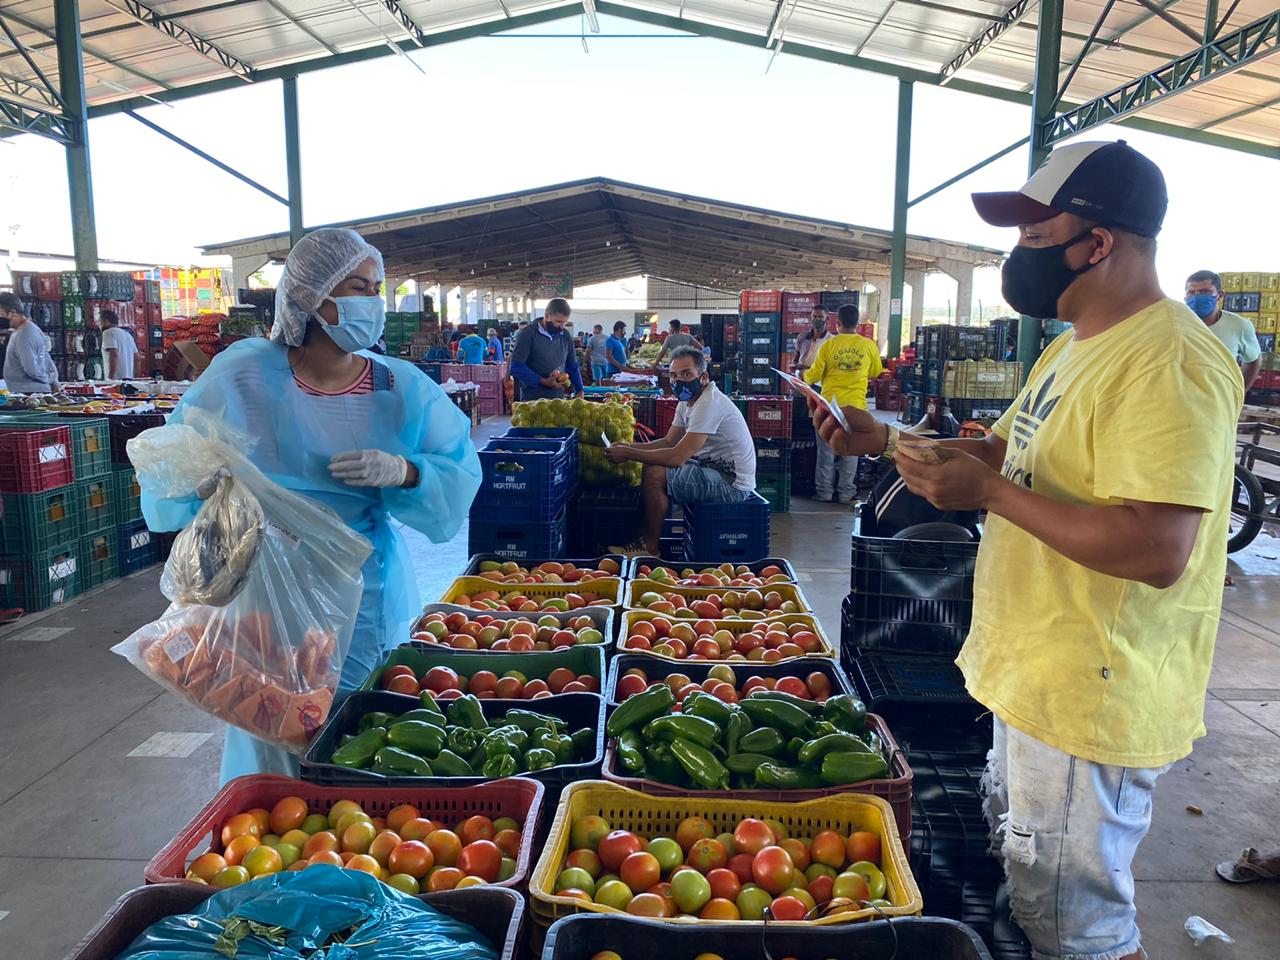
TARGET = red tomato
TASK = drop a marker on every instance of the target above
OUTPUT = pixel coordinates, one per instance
(863, 845)
(404, 684)
(575, 686)
(740, 864)
(724, 884)
(559, 678)
(752, 836)
(412, 857)
(640, 871)
(481, 859)
(476, 828)
(535, 687)
(706, 855)
(819, 685)
(788, 908)
(616, 847)
(389, 674)
(693, 829)
(482, 680)
(794, 686)
(828, 848)
(647, 905)
(509, 688)
(440, 679)
(772, 869)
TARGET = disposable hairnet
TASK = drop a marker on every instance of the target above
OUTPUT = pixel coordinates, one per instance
(317, 263)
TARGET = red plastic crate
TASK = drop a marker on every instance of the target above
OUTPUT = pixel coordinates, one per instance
(35, 460)
(139, 291)
(895, 789)
(48, 286)
(517, 797)
(800, 302)
(665, 414)
(770, 417)
(486, 372)
(761, 301)
(796, 323)
(490, 406)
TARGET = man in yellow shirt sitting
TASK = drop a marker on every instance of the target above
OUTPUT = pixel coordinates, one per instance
(844, 365)
(1098, 587)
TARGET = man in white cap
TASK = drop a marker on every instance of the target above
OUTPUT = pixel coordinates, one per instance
(1099, 579)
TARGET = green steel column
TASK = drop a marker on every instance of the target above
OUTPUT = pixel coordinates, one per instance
(898, 255)
(1043, 106)
(293, 158)
(1210, 19)
(84, 233)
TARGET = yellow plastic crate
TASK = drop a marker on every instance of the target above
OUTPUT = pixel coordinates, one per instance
(648, 816)
(1267, 322)
(630, 617)
(610, 588)
(637, 588)
(1232, 282)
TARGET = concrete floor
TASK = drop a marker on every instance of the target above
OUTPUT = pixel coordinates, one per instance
(80, 817)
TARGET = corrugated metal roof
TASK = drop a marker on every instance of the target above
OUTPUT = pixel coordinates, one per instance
(601, 229)
(126, 57)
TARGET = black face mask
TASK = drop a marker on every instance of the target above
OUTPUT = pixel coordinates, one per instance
(1033, 278)
(687, 390)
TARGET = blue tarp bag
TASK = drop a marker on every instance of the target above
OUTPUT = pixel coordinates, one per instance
(321, 913)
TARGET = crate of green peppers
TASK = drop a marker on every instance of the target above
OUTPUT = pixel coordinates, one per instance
(397, 740)
(769, 746)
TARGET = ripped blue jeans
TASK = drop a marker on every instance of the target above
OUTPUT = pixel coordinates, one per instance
(1067, 830)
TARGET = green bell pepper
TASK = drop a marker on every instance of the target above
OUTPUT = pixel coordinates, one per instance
(701, 765)
(432, 717)
(739, 726)
(529, 721)
(465, 711)
(358, 752)
(810, 707)
(429, 703)
(815, 750)
(503, 765)
(463, 740)
(764, 740)
(774, 776)
(416, 737)
(584, 744)
(707, 707)
(557, 743)
(378, 718)
(539, 759)
(692, 729)
(511, 733)
(660, 764)
(397, 762)
(841, 768)
(449, 764)
(787, 718)
(636, 711)
(631, 751)
(746, 763)
(847, 712)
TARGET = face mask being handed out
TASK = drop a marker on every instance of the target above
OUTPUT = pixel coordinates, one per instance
(361, 321)
(1202, 304)
(1033, 278)
(687, 390)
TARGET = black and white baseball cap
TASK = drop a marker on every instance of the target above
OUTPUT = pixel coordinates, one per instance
(1111, 184)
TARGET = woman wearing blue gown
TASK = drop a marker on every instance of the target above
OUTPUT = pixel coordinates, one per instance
(371, 437)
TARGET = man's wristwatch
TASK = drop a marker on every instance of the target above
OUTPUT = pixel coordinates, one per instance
(890, 447)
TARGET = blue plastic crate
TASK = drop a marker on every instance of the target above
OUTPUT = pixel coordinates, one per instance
(515, 539)
(524, 479)
(139, 547)
(728, 531)
(567, 435)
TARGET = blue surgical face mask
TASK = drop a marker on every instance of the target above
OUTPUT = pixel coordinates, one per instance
(361, 321)
(1202, 304)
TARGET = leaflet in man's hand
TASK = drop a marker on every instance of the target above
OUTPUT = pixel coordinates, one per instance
(802, 388)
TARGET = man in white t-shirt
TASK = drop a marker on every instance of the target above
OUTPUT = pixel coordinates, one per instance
(118, 348)
(1204, 297)
(707, 456)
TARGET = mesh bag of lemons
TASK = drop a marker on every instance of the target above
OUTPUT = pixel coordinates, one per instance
(594, 421)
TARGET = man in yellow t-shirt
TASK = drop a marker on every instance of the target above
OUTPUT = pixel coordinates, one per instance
(1099, 579)
(843, 365)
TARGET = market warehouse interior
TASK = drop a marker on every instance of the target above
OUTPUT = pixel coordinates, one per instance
(532, 543)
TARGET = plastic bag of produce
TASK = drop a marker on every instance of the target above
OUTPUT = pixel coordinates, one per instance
(265, 585)
(344, 914)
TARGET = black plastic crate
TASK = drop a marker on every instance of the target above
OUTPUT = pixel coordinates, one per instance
(632, 570)
(138, 547)
(977, 409)
(757, 383)
(749, 363)
(1242, 302)
(591, 563)
(908, 596)
(949, 830)
(833, 300)
(578, 710)
(603, 517)
(941, 341)
(657, 668)
(755, 343)
(760, 323)
(773, 458)
(804, 467)
(515, 539)
(583, 935)
(801, 420)
(923, 699)
(934, 371)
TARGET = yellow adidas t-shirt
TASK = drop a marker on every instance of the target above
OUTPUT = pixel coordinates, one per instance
(1110, 670)
(844, 365)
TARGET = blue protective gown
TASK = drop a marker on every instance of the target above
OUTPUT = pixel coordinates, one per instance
(250, 386)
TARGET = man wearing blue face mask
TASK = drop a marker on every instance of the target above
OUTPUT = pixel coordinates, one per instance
(707, 456)
(370, 438)
(1204, 297)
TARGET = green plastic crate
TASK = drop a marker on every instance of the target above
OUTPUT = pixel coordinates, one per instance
(97, 504)
(35, 521)
(127, 495)
(777, 490)
(41, 580)
(20, 413)
(91, 441)
(99, 558)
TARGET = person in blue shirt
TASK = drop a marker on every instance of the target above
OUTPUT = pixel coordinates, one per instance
(472, 347)
(372, 438)
(618, 348)
(495, 346)
(542, 352)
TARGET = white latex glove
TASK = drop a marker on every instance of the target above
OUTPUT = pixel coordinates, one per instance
(369, 468)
